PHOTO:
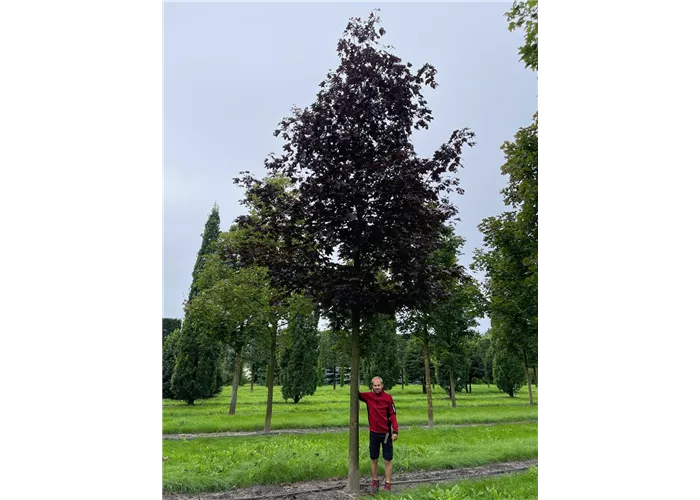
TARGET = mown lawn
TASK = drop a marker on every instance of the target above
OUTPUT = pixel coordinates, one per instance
(329, 408)
(215, 464)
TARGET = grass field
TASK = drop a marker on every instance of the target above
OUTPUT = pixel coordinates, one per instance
(215, 464)
(329, 408)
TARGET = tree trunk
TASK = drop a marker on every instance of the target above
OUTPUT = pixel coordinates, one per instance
(236, 380)
(437, 375)
(403, 377)
(334, 377)
(354, 444)
(252, 377)
(527, 377)
(271, 377)
(452, 389)
(426, 360)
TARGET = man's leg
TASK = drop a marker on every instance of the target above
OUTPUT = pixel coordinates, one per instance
(374, 457)
(375, 469)
(388, 454)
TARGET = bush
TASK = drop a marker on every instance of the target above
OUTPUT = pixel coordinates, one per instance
(508, 372)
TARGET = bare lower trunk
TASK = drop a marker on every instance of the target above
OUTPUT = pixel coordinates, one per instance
(354, 444)
(452, 389)
(252, 378)
(236, 381)
(403, 377)
(271, 378)
(426, 360)
(334, 377)
(437, 372)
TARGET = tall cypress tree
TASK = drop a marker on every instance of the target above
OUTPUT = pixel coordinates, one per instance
(197, 373)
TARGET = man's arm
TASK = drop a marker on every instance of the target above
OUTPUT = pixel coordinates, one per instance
(392, 416)
(363, 396)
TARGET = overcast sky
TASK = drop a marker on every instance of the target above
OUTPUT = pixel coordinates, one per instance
(232, 71)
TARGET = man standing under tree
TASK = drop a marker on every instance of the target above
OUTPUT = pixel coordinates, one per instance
(382, 419)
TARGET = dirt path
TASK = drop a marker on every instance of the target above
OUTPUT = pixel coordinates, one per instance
(333, 489)
(322, 430)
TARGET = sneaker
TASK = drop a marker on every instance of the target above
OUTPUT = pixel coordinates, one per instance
(375, 487)
(387, 486)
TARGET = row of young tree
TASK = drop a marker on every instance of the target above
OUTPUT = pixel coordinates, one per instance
(308, 357)
(352, 226)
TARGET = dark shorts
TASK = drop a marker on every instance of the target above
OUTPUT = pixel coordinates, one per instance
(375, 440)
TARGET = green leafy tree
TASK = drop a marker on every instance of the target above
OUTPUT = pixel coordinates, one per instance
(259, 243)
(326, 354)
(524, 14)
(208, 247)
(469, 365)
(300, 358)
(277, 315)
(485, 351)
(169, 349)
(170, 325)
(507, 372)
(380, 351)
(477, 369)
(228, 305)
(333, 353)
(509, 259)
(442, 324)
(455, 323)
(167, 354)
(340, 326)
(415, 366)
(456, 381)
(197, 373)
(256, 355)
(522, 170)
